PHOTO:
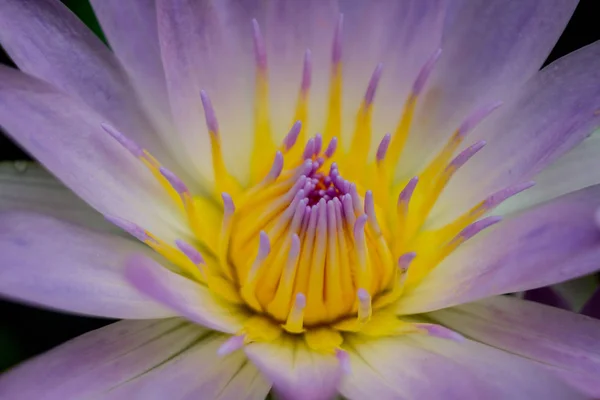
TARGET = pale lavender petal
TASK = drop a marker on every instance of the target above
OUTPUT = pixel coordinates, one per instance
(150, 359)
(26, 186)
(592, 307)
(577, 169)
(297, 372)
(131, 30)
(57, 265)
(49, 42)
(489, 50)
(187, 298)
(551, 243)
(75, 148)
(552, 113)
(564, 341)
(548, 296)
(424, 367)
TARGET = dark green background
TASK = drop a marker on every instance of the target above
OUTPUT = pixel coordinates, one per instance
(27, 331)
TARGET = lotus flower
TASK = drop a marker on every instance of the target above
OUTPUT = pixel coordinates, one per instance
(305, 198)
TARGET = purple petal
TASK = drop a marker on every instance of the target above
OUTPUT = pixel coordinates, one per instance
(296, 371)
(150, 359)
(423, 367)
(131, 30)
(563, 341)
(187, 298)
(552, 113)
(548, 296)
(551, 243)
(26, 186)
(75, 148)
(57, 265)
(489, 51)
(49, 42)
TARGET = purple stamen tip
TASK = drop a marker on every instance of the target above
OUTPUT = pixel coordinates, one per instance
(300, 300)
(260, 51)
(465, 155)
(478, 226)
(123, 140)
(190, 252)
(277, 167)
(383, 147)
(495, 199)
(344, 359)
(408, 190)
(232, 344)
(372, 88)
(336, 54)
(306, 71)
(309, 149)
(425, 72)
(295, 246)
(363, 295)
(318, 143)
(476, 117)
(359, 225)
(441, 332)
(129, 227)
(405, 260)
(264, 245)
(228, 206)
(209, 113)
(292, 136)
(174, 180)
(369, 203)
(331, 148)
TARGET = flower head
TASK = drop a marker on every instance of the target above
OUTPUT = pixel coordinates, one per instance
(319, 190)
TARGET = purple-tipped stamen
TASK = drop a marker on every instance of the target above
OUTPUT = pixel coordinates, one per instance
(476, 227)
(465, 155)
(441, 332)
(407, 192)
(228, 206)
(318, 144)
(230, 345)
(123, 140)
(134, 230)
(425, 72)
(264, 245)
(292, 136)
(190, 252)
(372, 88)
(306, 72)
(383, 147)
(309, 149)
(336, 53)
(209, 113)
(331, 148)
(260, 52)
(476, 117)
(495, 199)
(405, 260)
(174, 180)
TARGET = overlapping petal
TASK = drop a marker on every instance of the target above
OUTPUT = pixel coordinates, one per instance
(185, 297)
(564, 341)
(150, 359)
(57, 265)
(548, 244)
(75, 148)
(489, 49)
(47, 41)
(296, 371)
(553, 112)
(415, 367)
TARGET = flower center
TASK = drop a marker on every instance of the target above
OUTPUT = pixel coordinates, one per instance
(320, 240)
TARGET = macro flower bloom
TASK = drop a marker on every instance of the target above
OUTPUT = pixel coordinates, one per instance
(309, 197)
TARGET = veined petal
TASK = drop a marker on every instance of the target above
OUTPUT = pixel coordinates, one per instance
(185, 297)
(150, 359)
(47, 41)
(131, 30)
(551, 113)
(489, 51)
(296, 371)
(423, 367)
(547, 244)
(565, 341)
(26, 186)
(54, 264)
(75, 148)
(577, 169)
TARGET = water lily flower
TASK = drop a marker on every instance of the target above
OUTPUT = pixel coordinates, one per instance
(306, 198)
